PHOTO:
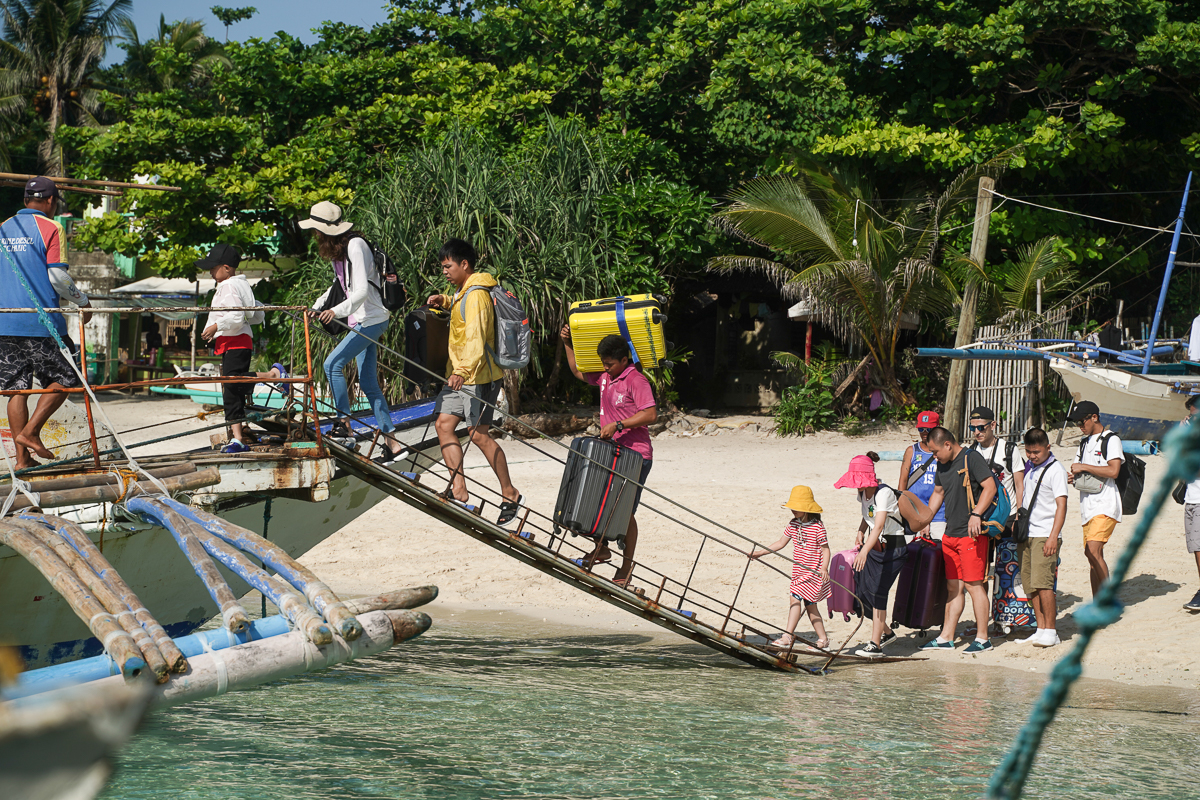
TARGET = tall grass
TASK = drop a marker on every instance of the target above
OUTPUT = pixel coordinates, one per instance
(534, 213)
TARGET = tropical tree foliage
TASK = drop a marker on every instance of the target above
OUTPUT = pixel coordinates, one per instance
(538, 213)
(869, 265)
(48, 56)
(1010, 288)
(181, 56)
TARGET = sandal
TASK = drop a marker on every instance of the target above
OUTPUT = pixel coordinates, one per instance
(340, 430)
(509, 509)
(580, 562)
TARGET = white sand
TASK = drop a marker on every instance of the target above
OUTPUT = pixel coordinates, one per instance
(739, 479)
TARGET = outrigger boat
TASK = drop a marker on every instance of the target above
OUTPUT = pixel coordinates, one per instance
(288, 489)
(291, 492)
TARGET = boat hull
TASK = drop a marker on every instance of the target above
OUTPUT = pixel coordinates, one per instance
(41, 623)
(1132, 405)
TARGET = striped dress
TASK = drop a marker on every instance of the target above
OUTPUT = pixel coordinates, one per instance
(808, 581)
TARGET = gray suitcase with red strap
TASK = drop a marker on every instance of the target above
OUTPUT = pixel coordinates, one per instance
(596, 500)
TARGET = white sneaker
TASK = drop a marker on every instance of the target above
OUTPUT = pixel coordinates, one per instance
(1031, 639)
(1049, 638)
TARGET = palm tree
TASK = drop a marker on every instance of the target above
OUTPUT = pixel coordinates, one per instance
(867, 265)
(48, 54)
(1010, 288)
(187, 39)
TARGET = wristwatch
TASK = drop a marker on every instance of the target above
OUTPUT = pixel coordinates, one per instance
(620, 427)
(976, 514)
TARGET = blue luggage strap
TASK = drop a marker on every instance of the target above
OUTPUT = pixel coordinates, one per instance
(624, 328)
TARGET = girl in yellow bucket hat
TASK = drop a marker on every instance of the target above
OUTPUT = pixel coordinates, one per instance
(810, 564)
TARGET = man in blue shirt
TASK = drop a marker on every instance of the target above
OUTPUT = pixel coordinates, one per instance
(31, 252)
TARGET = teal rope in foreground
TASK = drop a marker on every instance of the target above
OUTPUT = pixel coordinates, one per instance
(1182, 450)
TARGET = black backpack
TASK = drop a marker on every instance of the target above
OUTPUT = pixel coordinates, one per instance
(1131, 480)
(391, 293)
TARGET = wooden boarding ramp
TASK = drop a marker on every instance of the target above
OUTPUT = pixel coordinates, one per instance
(740, 635)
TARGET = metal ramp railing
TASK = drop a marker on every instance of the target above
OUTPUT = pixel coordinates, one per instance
(739, 635)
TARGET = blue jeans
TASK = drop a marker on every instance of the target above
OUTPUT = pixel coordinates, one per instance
(363, 351)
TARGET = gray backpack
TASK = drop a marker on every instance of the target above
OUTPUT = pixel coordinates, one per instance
(514, 340)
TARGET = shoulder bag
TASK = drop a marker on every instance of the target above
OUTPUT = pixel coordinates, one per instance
(1020, 528)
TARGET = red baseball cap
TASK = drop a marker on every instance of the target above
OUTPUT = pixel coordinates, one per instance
(928, 419)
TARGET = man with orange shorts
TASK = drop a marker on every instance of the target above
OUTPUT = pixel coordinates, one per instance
(1099, 458)
(965, 549)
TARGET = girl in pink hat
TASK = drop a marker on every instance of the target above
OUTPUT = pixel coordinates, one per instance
(882, 547)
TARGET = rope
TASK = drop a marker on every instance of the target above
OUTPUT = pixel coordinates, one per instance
(44, 318)
(1182, 449)
(17, 486)
(1089, 216)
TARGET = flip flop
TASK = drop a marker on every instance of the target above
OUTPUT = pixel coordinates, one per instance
(509, 509)
(580, 562)
(283, 388)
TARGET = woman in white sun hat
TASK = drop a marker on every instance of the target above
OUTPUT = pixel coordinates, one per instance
(362, 311)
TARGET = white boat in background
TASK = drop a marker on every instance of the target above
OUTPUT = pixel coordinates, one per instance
(1137, 407)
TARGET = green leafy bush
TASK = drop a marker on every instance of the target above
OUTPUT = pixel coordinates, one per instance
(809, 405)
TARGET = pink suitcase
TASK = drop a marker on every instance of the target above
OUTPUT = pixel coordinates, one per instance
(841, 580)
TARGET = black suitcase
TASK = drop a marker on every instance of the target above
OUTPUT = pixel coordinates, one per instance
(593, 500)
(426, 334)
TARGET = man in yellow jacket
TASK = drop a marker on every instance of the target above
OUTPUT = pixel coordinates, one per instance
(472, 378)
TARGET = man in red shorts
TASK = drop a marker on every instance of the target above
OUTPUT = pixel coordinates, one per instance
(965, 549)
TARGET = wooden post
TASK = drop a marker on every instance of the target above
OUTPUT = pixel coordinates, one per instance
(957, 385)
(808, 341)
(1040, 369)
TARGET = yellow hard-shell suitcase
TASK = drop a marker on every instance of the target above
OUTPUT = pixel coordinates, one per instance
(592, 320)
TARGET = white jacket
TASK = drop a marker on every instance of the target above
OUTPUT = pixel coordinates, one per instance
(363, 298)
(234, 293)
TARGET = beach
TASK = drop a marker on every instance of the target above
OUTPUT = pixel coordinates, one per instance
(738, 478)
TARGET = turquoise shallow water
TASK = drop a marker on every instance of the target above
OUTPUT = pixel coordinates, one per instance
(489, 710)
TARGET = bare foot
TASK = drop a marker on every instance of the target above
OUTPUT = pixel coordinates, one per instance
(35, 444)
(26, 464)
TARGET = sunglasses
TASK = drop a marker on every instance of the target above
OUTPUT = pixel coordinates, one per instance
(924, 429)
(978, 428)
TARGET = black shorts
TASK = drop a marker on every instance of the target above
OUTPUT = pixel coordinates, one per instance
(23, 357)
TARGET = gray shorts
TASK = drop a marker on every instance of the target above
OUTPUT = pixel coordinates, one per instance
(1191, 527)
(473, 403)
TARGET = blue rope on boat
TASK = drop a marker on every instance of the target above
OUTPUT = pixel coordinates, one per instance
(1182, 448)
